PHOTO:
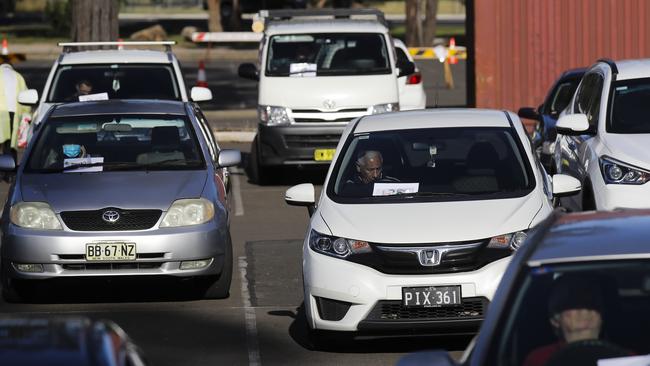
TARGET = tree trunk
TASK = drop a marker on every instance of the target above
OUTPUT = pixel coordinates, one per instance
(429, 24)
(214, 16)
(94, 20)
(412, 23)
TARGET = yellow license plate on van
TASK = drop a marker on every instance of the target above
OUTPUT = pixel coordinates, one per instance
(324, 154)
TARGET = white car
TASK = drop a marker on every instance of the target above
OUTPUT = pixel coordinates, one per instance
(112, 74)
(603, 137)
(424, 245)
(411, 89)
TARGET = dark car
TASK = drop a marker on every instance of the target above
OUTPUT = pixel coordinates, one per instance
(548, 112)
(80, 341)
(591, 268)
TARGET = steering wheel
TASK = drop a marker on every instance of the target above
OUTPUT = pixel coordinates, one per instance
(585, 353)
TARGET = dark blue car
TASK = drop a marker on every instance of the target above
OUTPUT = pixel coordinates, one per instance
(548, 113)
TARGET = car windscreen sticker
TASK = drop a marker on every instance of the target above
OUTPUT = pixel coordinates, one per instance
(82, 164)
(302, 69)
(390, 189)
(93, 97)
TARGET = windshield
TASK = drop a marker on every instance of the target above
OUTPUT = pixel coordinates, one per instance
(327, 54)
(101, 143)
(630, 106)
(118, 81)
(431, 164)
(563, 313)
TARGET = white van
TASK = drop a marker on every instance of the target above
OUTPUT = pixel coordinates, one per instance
(318, 70)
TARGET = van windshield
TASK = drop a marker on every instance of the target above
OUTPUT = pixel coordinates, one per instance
(118, 81)
(327, 54)
(115, 142)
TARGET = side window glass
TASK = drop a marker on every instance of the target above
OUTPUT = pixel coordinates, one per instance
(207, 135)
(562, 97)
(594, 105)
(584, 94)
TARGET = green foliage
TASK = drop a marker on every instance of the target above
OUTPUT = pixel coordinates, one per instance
(59, 14)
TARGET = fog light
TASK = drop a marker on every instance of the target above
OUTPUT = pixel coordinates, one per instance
(196, 264)
(28, 267)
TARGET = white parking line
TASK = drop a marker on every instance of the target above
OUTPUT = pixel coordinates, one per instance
(251, 319)
(236, 192)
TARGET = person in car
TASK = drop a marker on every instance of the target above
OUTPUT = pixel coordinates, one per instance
(575, 312)
(369, 170)
(83, 87)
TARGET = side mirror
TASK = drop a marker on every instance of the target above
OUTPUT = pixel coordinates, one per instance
(528, 113)
(28, 97)
(301, 195)
(200, 94)
(565, 185)
(573, 125)
(7, 163)
(248, 71)
(228, 157)
(405, 68)
(437, 358)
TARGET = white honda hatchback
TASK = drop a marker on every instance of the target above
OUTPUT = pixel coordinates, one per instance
(417, 219)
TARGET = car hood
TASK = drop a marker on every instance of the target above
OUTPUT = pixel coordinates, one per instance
(344, 91)
(629, 148)
(411, 223)
(128, 190)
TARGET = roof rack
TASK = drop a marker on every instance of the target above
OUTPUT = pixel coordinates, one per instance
(70, 46)
(289, 14)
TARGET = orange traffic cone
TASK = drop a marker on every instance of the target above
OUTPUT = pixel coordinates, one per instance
(452, 51)
(120, 45)
(5, 46)
(201, 79)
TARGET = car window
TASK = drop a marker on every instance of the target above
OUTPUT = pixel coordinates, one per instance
(431, 164)
(327, 54)
(401, 56)
(593, 111)
(116, 142)
(584, 94)
(630, 106)
(118, 81)
(562, 97)
(208, 134)
(618, 291)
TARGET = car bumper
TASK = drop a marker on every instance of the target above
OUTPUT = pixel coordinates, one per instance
(613, 196)
(295, 145)
(159, 252)
(375, 297)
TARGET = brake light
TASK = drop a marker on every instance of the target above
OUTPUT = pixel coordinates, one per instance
(415, 78)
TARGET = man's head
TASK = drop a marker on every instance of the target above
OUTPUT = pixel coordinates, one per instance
(369, 166)
(84, 87)
(575, 307)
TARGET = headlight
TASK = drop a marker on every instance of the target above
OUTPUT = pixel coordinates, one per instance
(188, 212)
(508, 241)
(383, 108)
(34, 215)
(616, 172)
(273, 116)
(335, 246)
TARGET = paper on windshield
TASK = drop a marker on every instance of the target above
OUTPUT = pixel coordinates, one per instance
(302, 69)
(626, 361)
(92, 97)
(389, 189)
(88, 160)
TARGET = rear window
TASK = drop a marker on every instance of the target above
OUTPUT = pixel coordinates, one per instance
(118, 81)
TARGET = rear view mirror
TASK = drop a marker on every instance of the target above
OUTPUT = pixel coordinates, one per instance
(228, 157)
(7, 162)
(301, 195)
(528, 113)
(117, 127)
(572, 125)
(200, 94)
(565, 185)
(248, 71)
(28, 97)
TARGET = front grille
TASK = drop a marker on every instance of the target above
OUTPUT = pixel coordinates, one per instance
(111, 266)
(93, 221)
(312, 141)
(320, 120)
(392, 310)
(395, 262)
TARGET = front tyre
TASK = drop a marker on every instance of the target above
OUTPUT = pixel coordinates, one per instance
(220, 288)
(10, 292)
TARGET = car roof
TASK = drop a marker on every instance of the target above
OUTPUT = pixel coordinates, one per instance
(598, 235)
(119, 106)
(325, 26)
(573, 73)
(633, 69)
(116, 56)
(433, 118)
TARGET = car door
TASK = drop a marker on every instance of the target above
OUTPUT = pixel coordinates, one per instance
(220, 173)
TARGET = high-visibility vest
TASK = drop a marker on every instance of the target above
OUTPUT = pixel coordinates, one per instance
(20, 110)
